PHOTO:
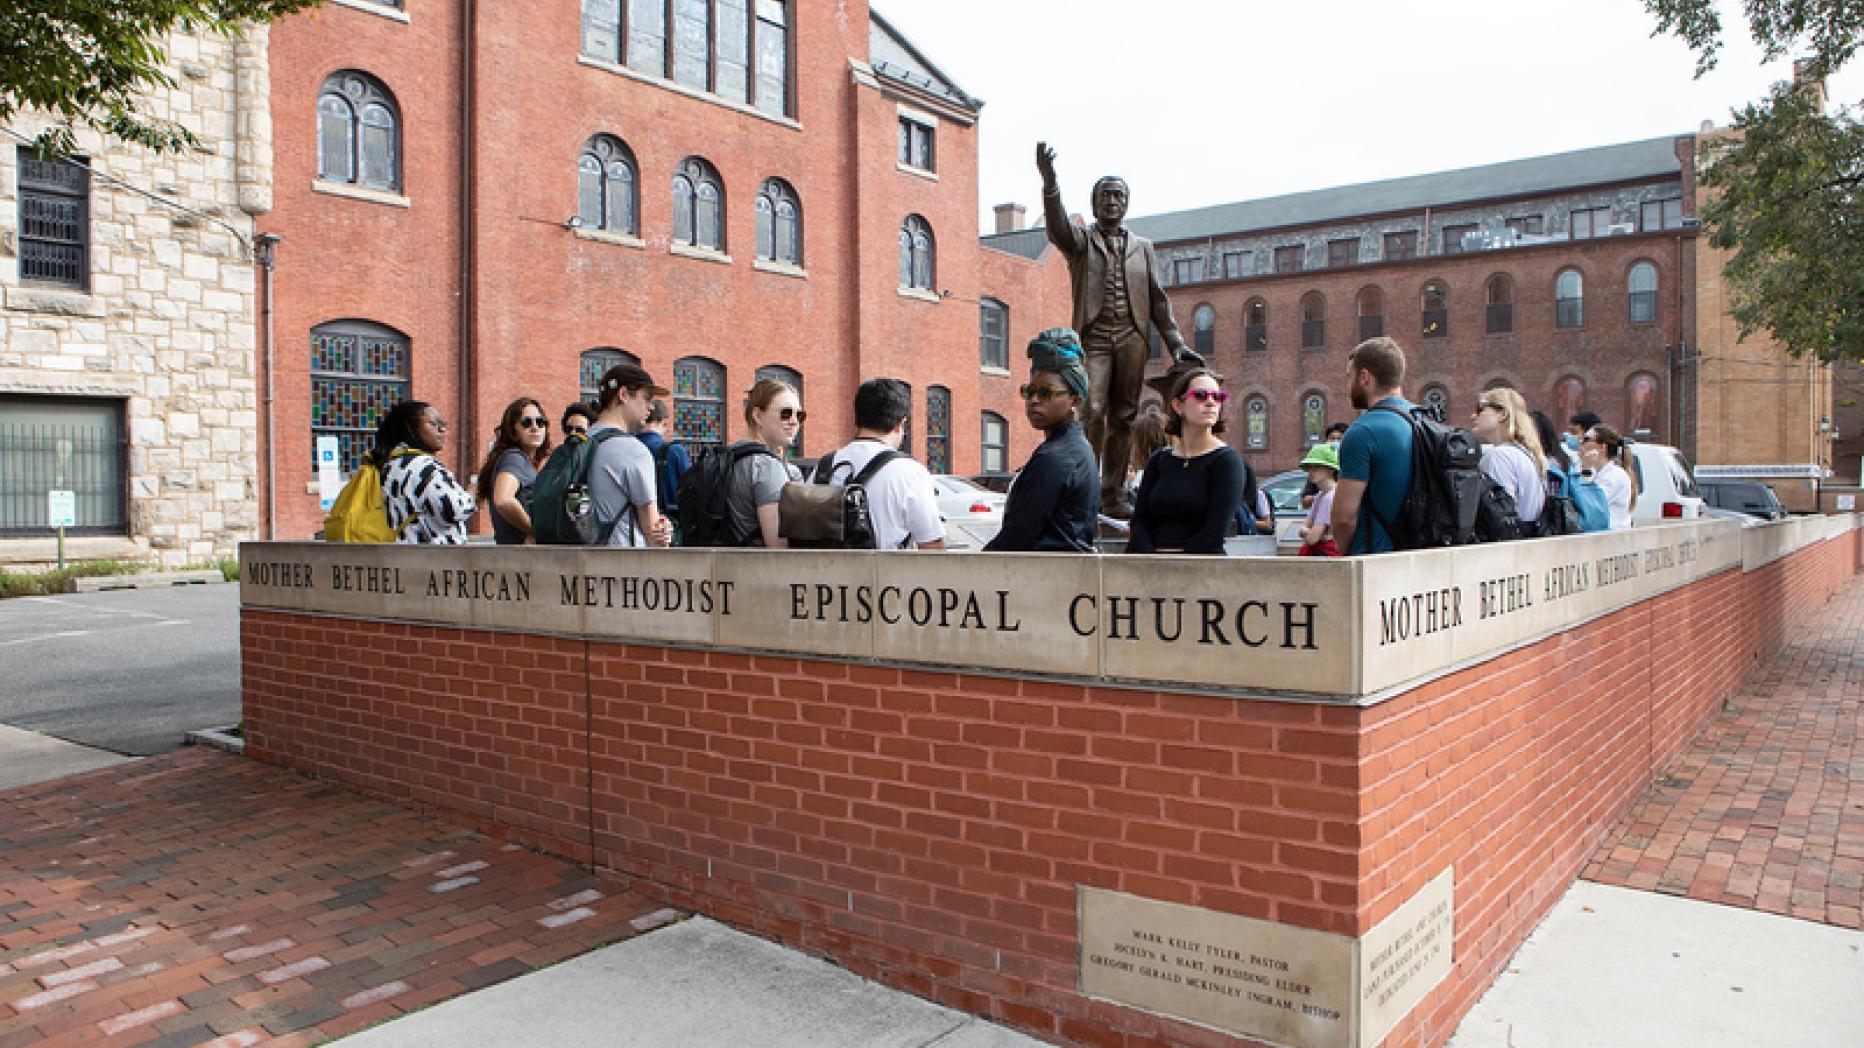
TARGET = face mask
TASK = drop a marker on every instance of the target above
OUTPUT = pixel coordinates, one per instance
(1571, 442)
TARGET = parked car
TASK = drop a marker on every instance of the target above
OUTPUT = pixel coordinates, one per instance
(972, 514)
(997, 482)
(1284, 492)
(1743, 496)
(1666, 485)
(1717, 513)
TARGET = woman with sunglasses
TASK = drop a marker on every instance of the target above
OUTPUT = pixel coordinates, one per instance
(576, 420)
(1603, 452)
(1190, 492)
(1054, 504)
(1511, 454)
(520, 445)
(774, 413)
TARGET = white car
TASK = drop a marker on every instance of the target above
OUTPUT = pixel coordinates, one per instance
(972, 514)
(1666, 485)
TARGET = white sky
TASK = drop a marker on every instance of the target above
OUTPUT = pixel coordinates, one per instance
(1207, 101)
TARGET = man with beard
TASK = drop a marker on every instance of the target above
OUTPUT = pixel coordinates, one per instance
(1118, 305)
(1375, 454)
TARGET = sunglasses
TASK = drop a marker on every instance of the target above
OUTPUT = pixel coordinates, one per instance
(1490, 404)
(1043, 393)
(575, 430)
(787, 414)
(1201, 395)
(534, 423)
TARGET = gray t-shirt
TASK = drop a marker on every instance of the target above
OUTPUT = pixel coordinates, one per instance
(621, 478)
(757, 481)
(518, 464)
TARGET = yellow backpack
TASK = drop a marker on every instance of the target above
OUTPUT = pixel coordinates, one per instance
(360, 513)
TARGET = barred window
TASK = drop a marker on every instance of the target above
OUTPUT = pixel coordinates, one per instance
(606, 186)
(54, 221)
(779, 223)
(734, 49)
(938, 429)
(358, 371)
(595, 363)
(74, 444)
(698, 402)
(358, 132)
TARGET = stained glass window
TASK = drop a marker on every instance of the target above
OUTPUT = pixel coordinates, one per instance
(795, 379)
(1313, 418)
(358, 132)
(594, 364)
(1256, 422)
(938, 429)
(698, 402)
(358, 371)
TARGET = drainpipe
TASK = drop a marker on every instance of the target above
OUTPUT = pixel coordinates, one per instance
(466, 427)
(265, 249)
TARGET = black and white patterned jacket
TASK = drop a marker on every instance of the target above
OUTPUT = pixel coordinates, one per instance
(419, 486)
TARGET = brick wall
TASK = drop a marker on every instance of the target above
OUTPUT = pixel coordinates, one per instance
(928, 829)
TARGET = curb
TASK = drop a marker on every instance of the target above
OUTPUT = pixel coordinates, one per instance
(152, 580)
(219, 739)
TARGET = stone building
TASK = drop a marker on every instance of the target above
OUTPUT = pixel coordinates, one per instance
(479, 202)
(127, 323)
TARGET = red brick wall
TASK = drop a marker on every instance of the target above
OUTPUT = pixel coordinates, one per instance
(928, 829)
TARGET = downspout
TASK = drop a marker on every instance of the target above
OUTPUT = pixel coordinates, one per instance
(266, 246)
(468, 233)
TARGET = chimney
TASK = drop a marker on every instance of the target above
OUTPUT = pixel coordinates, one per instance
(1009, 217)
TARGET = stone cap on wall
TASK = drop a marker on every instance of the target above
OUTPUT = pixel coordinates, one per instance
(1352, 630)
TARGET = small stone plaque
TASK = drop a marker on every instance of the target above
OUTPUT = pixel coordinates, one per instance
(1405, 955)
(1255, 978)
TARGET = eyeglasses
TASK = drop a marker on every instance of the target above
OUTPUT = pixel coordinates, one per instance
(1492, 405)
(787, 414)
(1044, 393)
(1590, 439)
(575, 431)
(534, 423)
(1202, 395)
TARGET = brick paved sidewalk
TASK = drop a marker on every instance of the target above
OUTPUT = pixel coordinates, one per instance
(203, 898)
(1766, 809)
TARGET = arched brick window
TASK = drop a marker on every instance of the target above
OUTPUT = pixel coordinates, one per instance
(1204, 330)
(698, 205)
(917, 264)
(1256, 325)
(1500, 305)
(1436, 314)
(1371, 308)
(607, 191)
(358, 132)
(779, 223)
(359, 370)
(595, 363)
(1313, 320)
(1642, 285)
(938, 429)
(1569, 299)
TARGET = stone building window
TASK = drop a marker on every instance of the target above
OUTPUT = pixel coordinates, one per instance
(1187, 270)
(938, 429)
(1453, 237)
(993, 342)
(698, 402)
(1528, 225)
(1342, 252)
(1591, 222)
(916, 254)
(595, 363)
(71, 444)
(1642, 285)
(1371, 305)
(794, 379)
(779, 223)
(1235, 264)
(1400, 245)
(1501, 305)
(1290, 259)
(358, 132)
(1256, 422)
(1436, 302)
(54, 221)
(729, 48)
(1569, 299)
(1256, 325)
(698, 205)
(917, 144)
(995, 443)
(606, 186)
(1313, 320)
(1660, 214)
(1204, 330)
(358, 371)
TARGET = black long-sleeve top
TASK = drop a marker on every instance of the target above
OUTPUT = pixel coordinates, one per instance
(1054, 503)
(1186, 504)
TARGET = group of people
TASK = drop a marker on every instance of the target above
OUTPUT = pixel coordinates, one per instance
(1190, 489)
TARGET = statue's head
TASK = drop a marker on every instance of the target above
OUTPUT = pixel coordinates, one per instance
(1110, 195)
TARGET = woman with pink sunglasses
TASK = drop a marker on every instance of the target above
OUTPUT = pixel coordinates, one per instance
(1189, 491)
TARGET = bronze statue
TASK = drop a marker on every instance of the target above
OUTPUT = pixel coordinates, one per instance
(1117, 307)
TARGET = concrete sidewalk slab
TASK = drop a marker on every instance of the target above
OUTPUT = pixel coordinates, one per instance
(27, 757)
(696, 984)
(1615, 967)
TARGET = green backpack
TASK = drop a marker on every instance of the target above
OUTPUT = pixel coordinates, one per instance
(562, 511)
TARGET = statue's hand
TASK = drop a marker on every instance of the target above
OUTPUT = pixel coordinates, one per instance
(1045, 162)
(1190, 357)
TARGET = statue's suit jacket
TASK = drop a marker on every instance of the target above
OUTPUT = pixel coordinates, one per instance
(1089, 256)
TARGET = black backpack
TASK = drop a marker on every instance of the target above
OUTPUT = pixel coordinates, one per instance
(1560, 515)
(822, 514)
(669, 499)
(1449, 502)
(703, 497)
(563, 513)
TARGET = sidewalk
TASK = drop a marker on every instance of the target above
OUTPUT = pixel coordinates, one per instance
(1724, 908)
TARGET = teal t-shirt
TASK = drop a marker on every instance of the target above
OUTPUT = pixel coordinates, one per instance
(1377, 450)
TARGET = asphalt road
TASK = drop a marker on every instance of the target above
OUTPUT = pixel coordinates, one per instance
(130, 671)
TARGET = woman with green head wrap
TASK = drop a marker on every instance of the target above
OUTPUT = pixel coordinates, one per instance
(1053, 503)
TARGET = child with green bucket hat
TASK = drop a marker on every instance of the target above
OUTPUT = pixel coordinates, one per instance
(1323, 468)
